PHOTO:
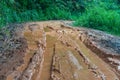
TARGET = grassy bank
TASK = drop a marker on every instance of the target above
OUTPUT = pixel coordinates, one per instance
(98, 14)
(101, 19)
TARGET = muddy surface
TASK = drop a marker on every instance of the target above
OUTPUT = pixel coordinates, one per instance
(54, 50)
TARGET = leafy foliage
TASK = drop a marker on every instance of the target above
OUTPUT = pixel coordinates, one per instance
(104, 16)
(98, 14)
(33, 10)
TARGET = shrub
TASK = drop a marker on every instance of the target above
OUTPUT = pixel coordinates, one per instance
(100, 18)
(56, 13)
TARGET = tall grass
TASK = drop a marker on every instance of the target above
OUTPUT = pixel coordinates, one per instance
(16, 11)
(100, 18)
(10, 14)
(98, 14)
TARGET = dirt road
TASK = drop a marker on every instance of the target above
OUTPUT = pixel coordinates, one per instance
(57, 51)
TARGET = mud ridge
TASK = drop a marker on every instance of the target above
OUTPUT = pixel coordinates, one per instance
(54, 50)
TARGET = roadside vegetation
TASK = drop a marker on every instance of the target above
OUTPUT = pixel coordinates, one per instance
(98, 14)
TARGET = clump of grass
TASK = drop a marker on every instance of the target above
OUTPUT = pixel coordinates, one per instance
(101, 19)
(98, 14)
(56, 13)
(16, 11)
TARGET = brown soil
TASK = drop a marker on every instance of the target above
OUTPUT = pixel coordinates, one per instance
(53, 50)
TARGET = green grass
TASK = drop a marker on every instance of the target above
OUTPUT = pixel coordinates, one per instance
(97, 14)
(17, 11)
(101, 19)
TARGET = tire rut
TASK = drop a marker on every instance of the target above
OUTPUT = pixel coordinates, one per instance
(57, 51)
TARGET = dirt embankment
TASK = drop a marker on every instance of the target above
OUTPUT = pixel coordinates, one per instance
(53, 50)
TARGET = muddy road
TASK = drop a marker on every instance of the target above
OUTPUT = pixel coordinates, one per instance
(56, 51)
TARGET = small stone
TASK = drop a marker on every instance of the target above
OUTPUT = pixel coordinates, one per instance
(118, 68)
(0, 54)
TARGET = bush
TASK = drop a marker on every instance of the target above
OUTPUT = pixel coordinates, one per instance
(14, 11)
(100, 18)
(98, 14)
(55, 13)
